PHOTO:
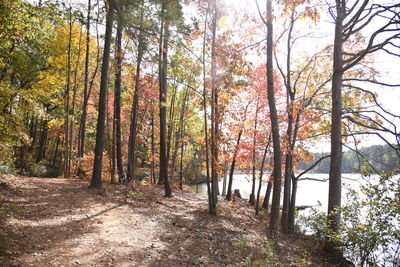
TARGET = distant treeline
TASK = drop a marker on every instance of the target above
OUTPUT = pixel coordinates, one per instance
(381, 157)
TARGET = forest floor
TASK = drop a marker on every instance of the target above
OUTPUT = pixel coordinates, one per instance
(60, 222)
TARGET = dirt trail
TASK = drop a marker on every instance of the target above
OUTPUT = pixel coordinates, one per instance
(60, 222)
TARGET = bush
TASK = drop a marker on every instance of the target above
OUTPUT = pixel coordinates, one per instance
(370, 222)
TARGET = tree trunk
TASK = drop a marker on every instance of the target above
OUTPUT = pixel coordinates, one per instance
(82, 125)
(267, 196)
(67, 92)
(171, 125)
(72, 111)
(214, 110)
(181, 163)
(117, 100)
(335, 184)
(224, 179)
(111, 145)
(152, 168)
(230, 181)
(206, 139)
(163, 104)
(135, 106)
(253, 186)
(292, 207)
(42, 141)
(179, 134)
(290, 98)
(96, 181)
(276, 196)
(260, 182)
(287, 182)
(55, 153)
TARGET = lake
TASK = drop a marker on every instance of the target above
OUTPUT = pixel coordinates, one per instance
(309, 193)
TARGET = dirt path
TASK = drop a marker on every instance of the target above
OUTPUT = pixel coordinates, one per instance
(59, 222)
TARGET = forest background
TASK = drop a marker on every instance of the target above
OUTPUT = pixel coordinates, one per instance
(179, 91)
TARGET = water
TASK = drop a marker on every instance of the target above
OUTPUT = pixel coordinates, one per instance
(309, 193)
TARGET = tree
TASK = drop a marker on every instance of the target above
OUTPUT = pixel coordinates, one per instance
(82, 125)
(274, 220)
(164, 39)
(117, 94)
(134, 113)
(96, 181)
(350, 21)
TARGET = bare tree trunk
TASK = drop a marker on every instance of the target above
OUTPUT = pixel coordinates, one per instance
(163, 104)
(135, 106)
(55, 154)
(214, 110)
(179, 134)
(181, 163)
(72, 111)
(267, 195)
(117, 99)
(260, 182)
(335, 174)
(171, 125)
(82, 125)
(292, 206)
(42, 141)
(111, 146)
(96, 181)
(232, 170)
(206, 139)
(252, 195)
(67, 92)
(152, 170)
(276, 196)
(224, 179)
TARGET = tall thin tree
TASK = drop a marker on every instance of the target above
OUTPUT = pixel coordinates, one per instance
(135, 104)
(117, 95)
(276, 195)
(96, 181)
(163, 100)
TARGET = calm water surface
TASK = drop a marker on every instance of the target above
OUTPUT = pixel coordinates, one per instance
(309, 193)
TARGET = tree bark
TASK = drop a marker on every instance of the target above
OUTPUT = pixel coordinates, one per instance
(82, 125)
(253, 186)
(230, 181)
(117, 99)
(335, 174)
(260, 182)
(206, 139)
(96, 181)
(292, 206)
(214, 110)
(67, 92)
(72, 111)
(42, 141)
(135, 106)
(276, 196)
(111, 145)
(163, 103)
(267, 195)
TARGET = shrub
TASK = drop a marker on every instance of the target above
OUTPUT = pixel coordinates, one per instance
(370, 222)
